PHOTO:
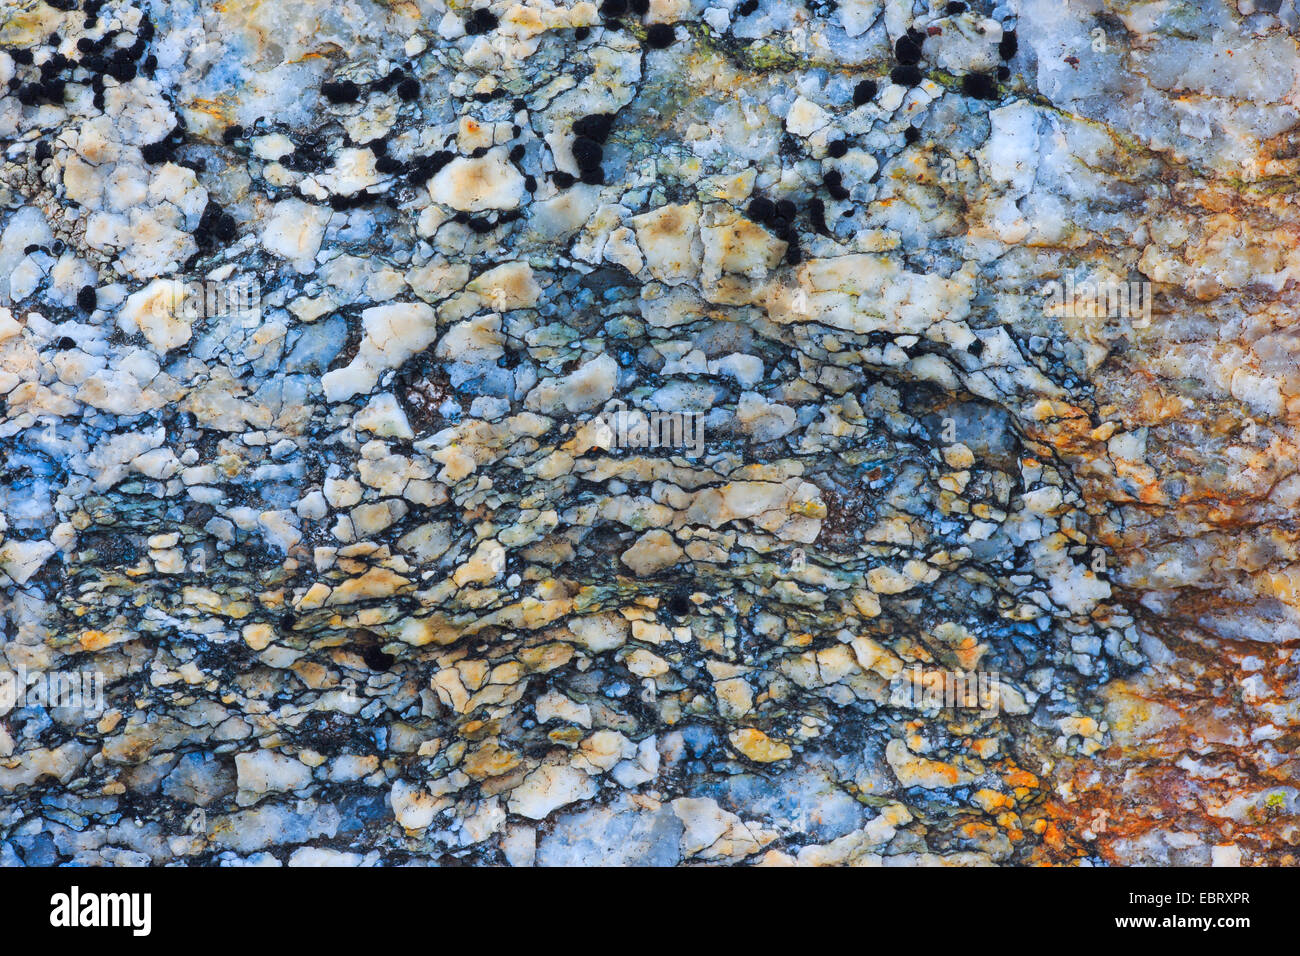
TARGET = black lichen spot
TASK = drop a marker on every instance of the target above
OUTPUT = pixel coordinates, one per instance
(980, 85)
(911, 134)
(309, 155)
(52, 90)
(679, 605)
(1008, 45)
(386, 83)
(613, 9)
(122, 70)
(387, 165)
(837, 148)
(43, 151)
(408, 89)
(481, 21)
(1004, 73)
(214, 226)
(345, 203)
(976, 348)
(746, 8)
(587, 153)
(288, 621)
(86, 298)
(906, 75)
(225, 228)
(155, 153)
(817, 215)
(660, 35)
(480, 225)
(562, 179)
(835, 184)
(639, 7)
(786, 209)
(85, 44)
(593, 176)
(345, 91)
(530, 183)
(595, 126)
(907, 50)
(423, 167)
(232, 133)
(22, 57)
(762, 209)
(581, 33)
(954, 8)
(65, 343)
(517, 153)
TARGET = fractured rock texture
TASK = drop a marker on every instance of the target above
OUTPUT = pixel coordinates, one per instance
(367, 574)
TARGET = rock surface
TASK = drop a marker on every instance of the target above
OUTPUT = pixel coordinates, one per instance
(737, 432)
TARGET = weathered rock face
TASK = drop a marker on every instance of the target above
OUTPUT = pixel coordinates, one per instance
(740, 433)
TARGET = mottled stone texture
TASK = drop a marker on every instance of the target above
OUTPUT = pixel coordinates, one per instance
(529, 433)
